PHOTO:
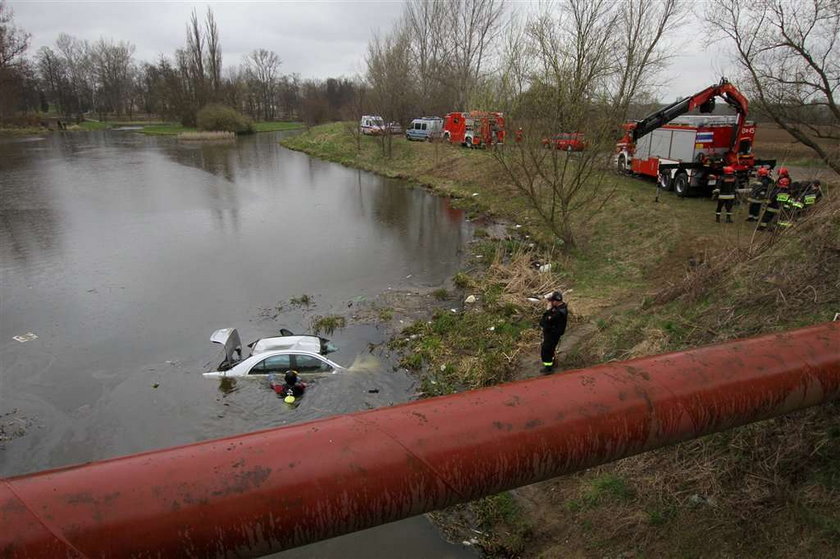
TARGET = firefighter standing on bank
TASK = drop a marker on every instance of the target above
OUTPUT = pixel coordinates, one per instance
(726, 194)
(553, 324)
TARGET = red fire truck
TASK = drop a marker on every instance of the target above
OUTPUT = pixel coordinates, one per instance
(688, 152)
(474, 129)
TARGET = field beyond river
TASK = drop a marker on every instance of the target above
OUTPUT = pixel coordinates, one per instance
(650, 273)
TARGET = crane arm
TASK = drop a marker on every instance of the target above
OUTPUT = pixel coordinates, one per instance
(704, 100)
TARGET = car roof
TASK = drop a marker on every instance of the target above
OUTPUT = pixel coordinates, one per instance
(296, 343)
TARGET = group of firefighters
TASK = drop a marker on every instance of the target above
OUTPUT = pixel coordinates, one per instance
(772, 203)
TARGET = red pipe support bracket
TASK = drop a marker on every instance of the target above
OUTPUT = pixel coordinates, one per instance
(249, 495)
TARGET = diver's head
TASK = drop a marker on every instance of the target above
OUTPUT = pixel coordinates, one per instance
(291, 377)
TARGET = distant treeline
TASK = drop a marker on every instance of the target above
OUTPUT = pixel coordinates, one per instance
(75, 77)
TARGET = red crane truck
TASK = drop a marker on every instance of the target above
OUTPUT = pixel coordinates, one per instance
(474, 129)
(688, 152)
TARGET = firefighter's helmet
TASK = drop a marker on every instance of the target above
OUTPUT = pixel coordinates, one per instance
(763, 171)
(784, 182)
(783, 172)
(728, 170)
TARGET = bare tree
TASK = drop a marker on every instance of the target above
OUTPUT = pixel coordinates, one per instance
(289, 96)
(423, 21)
(790, 60)
(353, 110)
(13, 40)
(76, 58)
(389, 73)
(476, 27)
(53, 76)
(263, 69)
(13, 68)
(113, 68)
(639, 53)
(578, 83)
(214, 54)
(515, 68)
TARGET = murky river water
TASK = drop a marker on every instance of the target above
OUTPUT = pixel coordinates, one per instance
(122, 253)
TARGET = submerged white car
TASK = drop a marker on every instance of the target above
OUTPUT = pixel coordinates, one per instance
(278, 354)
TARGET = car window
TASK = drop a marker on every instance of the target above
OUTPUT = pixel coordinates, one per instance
(424, 126)
(273, 364)
(310, 364)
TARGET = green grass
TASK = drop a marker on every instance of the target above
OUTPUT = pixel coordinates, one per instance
(302, 301)
(276, 126)
(607, 488)
(167, 129)
(175, 129)
(88, 125)
(23, 131)
(505, 525)
(93, 125)
(385, 314)
(328, 324)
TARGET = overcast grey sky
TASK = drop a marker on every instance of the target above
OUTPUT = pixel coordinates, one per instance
(314, 39)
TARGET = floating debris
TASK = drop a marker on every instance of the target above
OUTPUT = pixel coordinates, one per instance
(23, 338)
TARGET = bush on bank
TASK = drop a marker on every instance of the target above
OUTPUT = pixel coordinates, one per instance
(215, 117)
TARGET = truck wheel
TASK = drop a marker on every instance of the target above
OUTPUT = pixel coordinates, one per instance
(680, 184)
(622, 165)
(665, 182)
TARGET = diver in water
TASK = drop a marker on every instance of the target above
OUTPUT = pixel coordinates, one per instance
(291, 389)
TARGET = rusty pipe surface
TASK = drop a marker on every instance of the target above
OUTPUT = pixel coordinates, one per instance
(248, 495)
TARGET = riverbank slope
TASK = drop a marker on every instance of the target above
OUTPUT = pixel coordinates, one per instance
(646, 277)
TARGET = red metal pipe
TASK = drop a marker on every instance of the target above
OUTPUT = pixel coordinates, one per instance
(248, 495)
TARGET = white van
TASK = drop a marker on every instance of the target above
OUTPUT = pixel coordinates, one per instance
(425, 128)
(372, 125)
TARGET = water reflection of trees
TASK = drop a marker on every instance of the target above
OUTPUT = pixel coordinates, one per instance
(28, 232)
(220, 160)
(28, 223)
(427, 227)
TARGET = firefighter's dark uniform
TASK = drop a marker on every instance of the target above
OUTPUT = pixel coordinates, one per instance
(779, 195)
(553, 324)
(758, 197)
(811, 194)
(787, 207)
(726, 197)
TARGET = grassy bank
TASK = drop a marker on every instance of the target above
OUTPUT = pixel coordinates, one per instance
(647, 277)
(23, 131)
(171, 129)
